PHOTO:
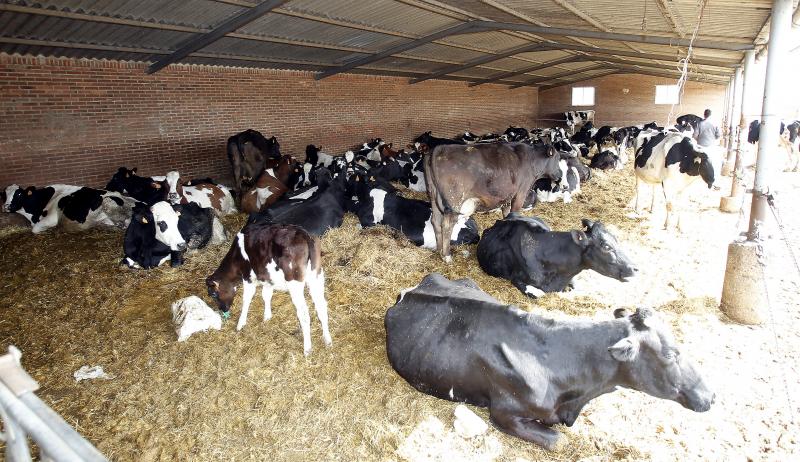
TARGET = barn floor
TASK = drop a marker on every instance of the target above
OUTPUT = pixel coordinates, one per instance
(252, 395)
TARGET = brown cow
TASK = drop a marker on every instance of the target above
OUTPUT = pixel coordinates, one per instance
(464, 179)
(247, 152)
(269, 187)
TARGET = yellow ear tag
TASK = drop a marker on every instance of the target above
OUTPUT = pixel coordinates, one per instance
(144, 220)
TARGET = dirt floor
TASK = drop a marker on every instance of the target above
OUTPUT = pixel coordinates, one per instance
(252, 395)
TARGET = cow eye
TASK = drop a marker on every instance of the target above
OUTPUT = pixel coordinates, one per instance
(607, 247)
(163, 226)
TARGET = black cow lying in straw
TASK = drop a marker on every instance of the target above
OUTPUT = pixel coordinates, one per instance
(537, 260)
(164, 232)
(451, 340)
(379, 206)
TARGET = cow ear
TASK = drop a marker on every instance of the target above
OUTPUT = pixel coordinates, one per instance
(144, 220)
(625, 350)
(580, 238)
(643, 318)
(587, 224)
(134, 169)
(155, 185)
(621, 313)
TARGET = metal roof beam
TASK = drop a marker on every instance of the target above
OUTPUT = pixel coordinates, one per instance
(538, 80)
(646, 39)
(243, 18)
(462, 28)
(732, 64)
(671, 16)
(525, 70)
(662, 73)
(586, 17)
(579, 79)
(478, 62)
(655, 65)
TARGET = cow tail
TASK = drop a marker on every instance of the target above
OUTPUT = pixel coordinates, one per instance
(436, 193)
(314, 253)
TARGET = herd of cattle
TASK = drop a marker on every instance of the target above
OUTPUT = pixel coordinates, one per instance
(446, 338)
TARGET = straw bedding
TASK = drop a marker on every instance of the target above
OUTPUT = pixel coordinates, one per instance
(252, 395)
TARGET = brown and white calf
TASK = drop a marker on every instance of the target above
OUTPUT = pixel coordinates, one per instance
(205, 195)
(282, 257)
(270, 186)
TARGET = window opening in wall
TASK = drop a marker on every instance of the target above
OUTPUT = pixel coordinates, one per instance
(583, 96)
(667, 94)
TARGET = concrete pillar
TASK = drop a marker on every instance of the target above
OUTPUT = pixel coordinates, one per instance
(736, 105)
(732, 202)
(743, 291)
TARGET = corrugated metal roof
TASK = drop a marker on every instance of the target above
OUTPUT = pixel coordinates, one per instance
(325, 34)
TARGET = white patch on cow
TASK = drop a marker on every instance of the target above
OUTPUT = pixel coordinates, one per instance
(378, 196)
(416, 146)
(429, 236)
(240, 243)
(262, 194)
(164, 213)
(276, 276)
(130, 263)
(158, 178)
(451, 393)
(403, 292)
(461, 223)
(307, 173)
(218, 234)
(349, 156)
(306, 194)
(374, 155)
(271, 172)
(10, 190)
(530, 290)
(469, 206)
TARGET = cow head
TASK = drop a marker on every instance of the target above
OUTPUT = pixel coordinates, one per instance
(18, 198)
(601, 251)
(221, 291)
(165, 218)
(694, 161)
(173, 185)
(651, 362)
(119, 181)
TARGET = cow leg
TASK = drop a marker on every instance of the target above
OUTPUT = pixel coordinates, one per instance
(652, 198)
(525, 428)
(248, 291)
(436, 221)
(316, 287)
(266, 293)
(669, 198)
(297, 292)
(636, 208)
(448, 220)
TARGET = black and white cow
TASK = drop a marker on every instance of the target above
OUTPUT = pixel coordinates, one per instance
(573, 173)
(37, 205)
(537, 260)
(674, 161)
(145, 189)
(215, 197)
(323, 210)
(688, 122)
(515, 134)
(88, 208)
(577, 119)
(164, 232)
(789, 142)
(412, 217)
(606, 159)
(451, 340)
(427, 142)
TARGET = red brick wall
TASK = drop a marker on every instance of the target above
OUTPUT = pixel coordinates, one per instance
(76, 121)
(616, 108)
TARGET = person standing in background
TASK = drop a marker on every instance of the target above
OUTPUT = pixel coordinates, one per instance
(707, 136)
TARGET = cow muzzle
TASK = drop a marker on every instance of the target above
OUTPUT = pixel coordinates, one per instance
(182, 246)
(697, 401)
(174, 198)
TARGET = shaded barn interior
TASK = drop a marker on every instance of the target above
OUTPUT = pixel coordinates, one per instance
(88, 86)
